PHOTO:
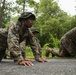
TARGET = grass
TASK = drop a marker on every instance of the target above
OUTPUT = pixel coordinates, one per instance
(29, 53)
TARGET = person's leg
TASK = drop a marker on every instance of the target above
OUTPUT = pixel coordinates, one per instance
(48, 51)
(2, 54)
(5, 56)
(70, 47)
(53, 51)
(63, 53)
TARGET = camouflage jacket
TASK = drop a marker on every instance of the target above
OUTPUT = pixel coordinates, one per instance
(38, 45)
(68, 41)
(13, 36)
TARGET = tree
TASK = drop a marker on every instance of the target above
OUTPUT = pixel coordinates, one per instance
(51, 21)
(2, 11)
(22, 5)
(5, 12)
(73, 22)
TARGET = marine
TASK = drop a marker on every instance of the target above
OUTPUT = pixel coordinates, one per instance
(67, 45)
(14, 35)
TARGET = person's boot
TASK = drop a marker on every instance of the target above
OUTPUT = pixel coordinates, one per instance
(5, 56)
(2, 53)
(48, 51)
(54, 52)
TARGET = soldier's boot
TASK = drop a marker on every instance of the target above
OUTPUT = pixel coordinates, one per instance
(55, 52)
(48, 51)
(5, 56)
(2, 54)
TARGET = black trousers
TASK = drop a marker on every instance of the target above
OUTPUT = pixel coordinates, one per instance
(2, 53)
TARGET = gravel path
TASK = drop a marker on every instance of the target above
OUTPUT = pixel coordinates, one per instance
(53, 67)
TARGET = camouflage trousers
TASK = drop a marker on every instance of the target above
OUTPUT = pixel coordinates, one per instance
(67, 48)
(2, 53)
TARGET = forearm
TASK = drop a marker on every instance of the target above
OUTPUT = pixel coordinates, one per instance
(18, 59)
(34, 47)
(23, 49)
(16, 54)
(36, 55)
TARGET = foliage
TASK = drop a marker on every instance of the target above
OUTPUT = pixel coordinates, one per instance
(51, 21)
(54, 41)
(44, 49)
(6, 13)
(29, 53)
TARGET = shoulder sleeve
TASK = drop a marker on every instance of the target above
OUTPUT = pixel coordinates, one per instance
(13, 43)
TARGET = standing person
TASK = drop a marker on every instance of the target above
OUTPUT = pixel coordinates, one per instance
(67, 45)
(15, 34)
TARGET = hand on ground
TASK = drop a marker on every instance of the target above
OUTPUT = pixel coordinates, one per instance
(42, 60)
(26, 63)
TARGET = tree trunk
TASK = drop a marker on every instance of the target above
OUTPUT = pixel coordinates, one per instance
(24, 6)
(2, 12)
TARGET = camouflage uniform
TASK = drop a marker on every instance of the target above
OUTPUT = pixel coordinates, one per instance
(3, 42)
(12, 37)
(34, 30)
(38, 46)
(67, 45)
(27, 42)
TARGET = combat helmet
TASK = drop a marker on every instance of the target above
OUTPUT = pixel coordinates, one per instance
(25, 15)
(33, 29)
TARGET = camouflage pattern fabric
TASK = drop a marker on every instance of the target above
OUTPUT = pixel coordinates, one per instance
(27, 42)
(3, 38)
(39, 46)
(23, 48)
(67, 45)
(12, 37)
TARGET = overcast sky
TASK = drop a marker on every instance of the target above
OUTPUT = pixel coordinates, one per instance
(67, 5)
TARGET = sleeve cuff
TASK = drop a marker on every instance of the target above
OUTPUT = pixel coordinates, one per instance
(18, 59)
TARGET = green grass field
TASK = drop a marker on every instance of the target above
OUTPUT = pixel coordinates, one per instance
(29, 53)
